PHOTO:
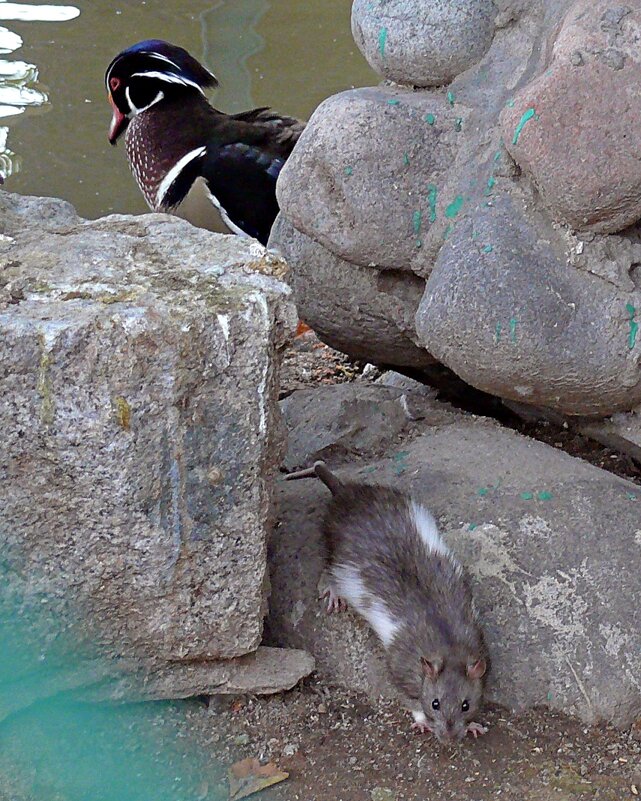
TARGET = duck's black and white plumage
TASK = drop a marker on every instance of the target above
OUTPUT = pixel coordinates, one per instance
(188, 158)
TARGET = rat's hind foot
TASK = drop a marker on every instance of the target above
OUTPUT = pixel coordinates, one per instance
(476, 729)
(334, 602)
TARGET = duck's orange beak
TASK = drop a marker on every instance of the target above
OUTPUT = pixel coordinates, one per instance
(118, 121)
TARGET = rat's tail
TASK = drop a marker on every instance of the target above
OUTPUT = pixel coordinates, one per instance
(319, 470)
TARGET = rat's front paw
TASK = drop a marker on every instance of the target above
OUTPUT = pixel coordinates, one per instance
(423, 728)
(476, 729)
(420, 722)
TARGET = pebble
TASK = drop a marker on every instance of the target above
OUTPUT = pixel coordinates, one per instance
(382, 794)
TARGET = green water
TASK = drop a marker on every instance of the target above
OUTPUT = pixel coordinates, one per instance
(289, 54)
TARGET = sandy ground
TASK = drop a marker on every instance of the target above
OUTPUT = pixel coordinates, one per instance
(336, 746)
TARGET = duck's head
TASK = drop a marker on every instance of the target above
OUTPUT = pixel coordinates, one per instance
(147, 73)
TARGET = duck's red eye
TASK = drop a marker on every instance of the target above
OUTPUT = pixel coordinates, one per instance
(114, 83)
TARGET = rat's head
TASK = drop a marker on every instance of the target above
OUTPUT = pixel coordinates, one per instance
(451, 694)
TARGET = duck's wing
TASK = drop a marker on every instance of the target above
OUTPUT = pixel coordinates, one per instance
(282, 132)
(241, 180)
(239, 166)
(242, 164)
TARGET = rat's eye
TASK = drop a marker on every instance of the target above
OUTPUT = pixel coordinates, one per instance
(465, 706)
(436, 704)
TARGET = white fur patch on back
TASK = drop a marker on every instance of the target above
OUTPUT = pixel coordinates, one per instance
(380, 619)
(427, 529)
(349, 585)
(174, 172)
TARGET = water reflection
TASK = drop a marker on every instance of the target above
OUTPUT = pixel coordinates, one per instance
(25, 13)
(9, 41)
(18, 79)
(287, 54)
(230, 38)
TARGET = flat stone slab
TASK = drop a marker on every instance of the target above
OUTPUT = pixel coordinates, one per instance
(140, 361)
(552, 545)
(264, 672)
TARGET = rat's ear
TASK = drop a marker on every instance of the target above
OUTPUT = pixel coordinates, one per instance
(475, 670)
(431, 667)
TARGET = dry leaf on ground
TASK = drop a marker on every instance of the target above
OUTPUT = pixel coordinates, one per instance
(248, 777)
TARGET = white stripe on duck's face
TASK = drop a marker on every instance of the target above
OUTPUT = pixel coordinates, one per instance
(134, 110)
(161, 57)
(169, 78)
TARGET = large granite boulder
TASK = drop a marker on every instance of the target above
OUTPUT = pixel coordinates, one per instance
(552, 545)
(376, 158)
(535, 135)
(530, 313)
(576, 128)
(139, 361)
(350, 306)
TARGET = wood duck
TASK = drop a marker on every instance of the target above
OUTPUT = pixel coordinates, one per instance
(188, 158)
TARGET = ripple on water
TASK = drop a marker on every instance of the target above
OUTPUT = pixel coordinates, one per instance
(18, 79)
(25, 13)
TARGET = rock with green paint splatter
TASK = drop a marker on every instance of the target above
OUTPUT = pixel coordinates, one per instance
(388, 178)
(423, 44)
(358, 310)
(514, 310)
(574, 128)
(368, 177)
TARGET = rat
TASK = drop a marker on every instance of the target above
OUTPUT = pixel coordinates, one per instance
(386, 558)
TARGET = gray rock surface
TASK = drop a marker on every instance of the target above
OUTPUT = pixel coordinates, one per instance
(545, 329)
(357, 419)
(423, 44)
(551, 542)
(543, 121)
(139, 361)
(621, 432)
(350, 307)
(365, 179)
